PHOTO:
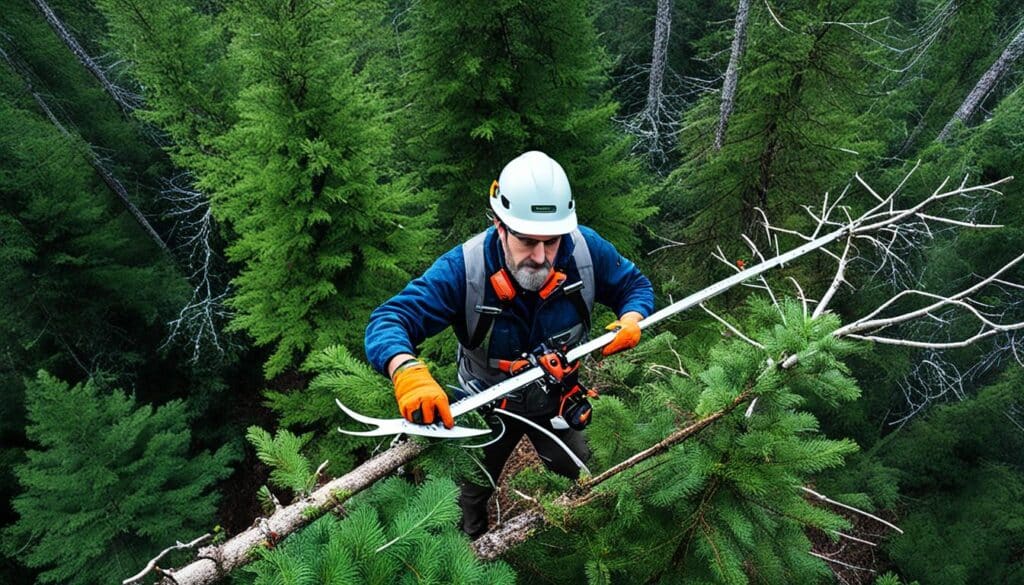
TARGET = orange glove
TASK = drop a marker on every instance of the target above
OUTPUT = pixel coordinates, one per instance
(628, 333)
(419, 395)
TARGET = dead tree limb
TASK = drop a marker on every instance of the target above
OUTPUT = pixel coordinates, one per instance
(214, 562)
(659, 59)
(655, 125)
(732, 72)
(985, 85)
(125, 100)
(198, 322)
(152, 565)
(93, 159)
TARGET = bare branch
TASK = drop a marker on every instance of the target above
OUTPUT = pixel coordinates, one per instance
(838, 562)
(199, 321)
(152, 563)
(775, 18)
(734, 330)
(825, 498)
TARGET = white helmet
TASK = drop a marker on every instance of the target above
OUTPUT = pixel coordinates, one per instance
(532, 196)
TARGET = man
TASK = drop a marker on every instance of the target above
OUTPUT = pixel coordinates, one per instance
(530, 279)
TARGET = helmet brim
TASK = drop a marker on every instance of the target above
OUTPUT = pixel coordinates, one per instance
(555, 227)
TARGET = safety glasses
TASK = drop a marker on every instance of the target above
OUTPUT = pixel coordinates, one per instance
(531, 242)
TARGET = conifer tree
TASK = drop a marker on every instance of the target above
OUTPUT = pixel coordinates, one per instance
(321, 236)
(109, 484)
(725, 506)
(800, 123)
(297, 165)
(494, 79)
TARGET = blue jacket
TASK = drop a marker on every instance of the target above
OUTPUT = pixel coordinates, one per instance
(436, 300)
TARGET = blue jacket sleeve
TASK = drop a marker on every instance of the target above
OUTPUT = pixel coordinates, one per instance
(424, 308)
(620, 284)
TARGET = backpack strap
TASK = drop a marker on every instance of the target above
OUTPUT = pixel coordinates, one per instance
(476, 283)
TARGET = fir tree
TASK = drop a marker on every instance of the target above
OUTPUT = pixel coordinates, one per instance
(322, 233)
(494, 79)
(110, 483)
(295, 159)
(726, 506)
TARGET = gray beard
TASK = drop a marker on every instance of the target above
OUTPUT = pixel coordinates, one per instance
(531, 278)
(529, 275)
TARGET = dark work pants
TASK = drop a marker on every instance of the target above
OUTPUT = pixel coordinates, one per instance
(473, 498)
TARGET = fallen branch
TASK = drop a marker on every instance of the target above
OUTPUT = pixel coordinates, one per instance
(214, 562)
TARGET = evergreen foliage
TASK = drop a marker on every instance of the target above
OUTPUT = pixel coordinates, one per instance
(289, 469)
(725, 506)
(344, 144)
(962, 466)
(78, 271)
(295, 168)
(321, 237)
(494, 79)
(799, 127)
(176, 51)
(338, 375)
(109, 484)
(396, 533)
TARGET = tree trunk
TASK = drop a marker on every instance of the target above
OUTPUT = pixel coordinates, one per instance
(659, 60)
(732, 72)
(83, 57)
(988, 81)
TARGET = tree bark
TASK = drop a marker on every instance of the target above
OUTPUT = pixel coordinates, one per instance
(985, 85)
(83, 57)
(732, 72)
(214, 562)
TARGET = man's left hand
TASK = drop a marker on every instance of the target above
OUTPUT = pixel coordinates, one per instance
(628, 326)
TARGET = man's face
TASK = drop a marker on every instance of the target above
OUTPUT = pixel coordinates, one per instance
(529, 258)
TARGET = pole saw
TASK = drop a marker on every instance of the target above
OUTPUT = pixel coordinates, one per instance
(396, 426)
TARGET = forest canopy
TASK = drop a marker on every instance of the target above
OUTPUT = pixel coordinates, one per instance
(202, 202)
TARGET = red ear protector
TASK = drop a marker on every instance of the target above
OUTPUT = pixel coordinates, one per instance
(555, 280)
(501, 282)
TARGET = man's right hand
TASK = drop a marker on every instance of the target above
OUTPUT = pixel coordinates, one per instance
(419, 396)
